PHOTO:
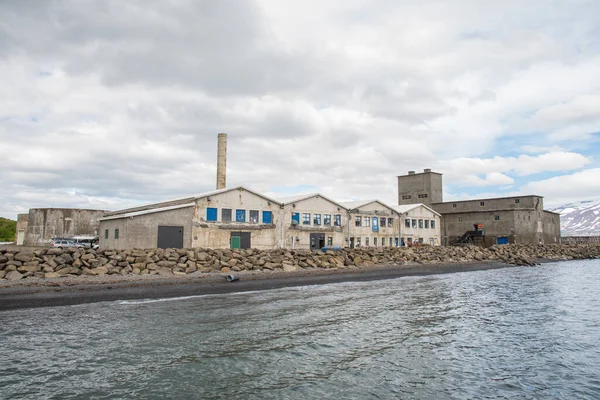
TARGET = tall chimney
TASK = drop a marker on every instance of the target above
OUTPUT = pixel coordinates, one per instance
(221, 161)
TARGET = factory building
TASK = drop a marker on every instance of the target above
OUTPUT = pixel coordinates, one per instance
(226, 218)
(313, 221)
(419, 224)
(372, 224)
(520, 219)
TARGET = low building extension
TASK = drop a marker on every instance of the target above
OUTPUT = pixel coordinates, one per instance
(43, 224)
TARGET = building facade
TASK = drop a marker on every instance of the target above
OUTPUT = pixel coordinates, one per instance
(43, 224)
(226, 218)
(313, 221)
(419, 224)
(520, 219)
(371, 224)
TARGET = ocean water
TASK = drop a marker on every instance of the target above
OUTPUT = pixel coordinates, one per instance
(514, 333)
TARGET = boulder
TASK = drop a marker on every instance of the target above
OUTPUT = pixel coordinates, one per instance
(13, 276)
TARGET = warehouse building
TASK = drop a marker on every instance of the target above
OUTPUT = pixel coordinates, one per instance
(371, 224)
(419, 224)
(520, 219)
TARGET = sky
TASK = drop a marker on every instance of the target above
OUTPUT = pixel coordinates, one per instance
(113, 104)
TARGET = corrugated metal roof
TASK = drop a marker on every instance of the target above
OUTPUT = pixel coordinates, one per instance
(404, 208)
(149, 211)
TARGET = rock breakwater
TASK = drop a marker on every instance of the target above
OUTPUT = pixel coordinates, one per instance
(56, 263)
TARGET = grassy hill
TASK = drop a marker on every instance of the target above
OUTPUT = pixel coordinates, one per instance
(8, 229)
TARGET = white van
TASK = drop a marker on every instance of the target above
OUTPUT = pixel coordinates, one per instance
(86, 241)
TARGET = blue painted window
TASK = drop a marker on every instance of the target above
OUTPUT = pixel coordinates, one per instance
(240, 215)
(296, 218)
(375, 226)
(267, 217)
(211, 214)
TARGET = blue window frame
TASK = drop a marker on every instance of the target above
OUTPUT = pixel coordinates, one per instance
(375, 226)
(240, 215)
(267, 217)
(211, 214)
(296, 218)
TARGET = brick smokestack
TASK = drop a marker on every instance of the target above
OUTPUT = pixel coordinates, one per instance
(221, 161)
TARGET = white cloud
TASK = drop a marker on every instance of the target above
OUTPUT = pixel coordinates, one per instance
(109, 103)
(563, 189)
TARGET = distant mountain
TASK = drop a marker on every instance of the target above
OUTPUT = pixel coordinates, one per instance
(580, 219)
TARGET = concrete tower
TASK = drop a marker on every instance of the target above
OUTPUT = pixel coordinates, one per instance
(424, 187)
(221, 161)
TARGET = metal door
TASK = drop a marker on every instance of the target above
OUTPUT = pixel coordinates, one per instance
(236, 242)
(170, 237)
(502, 240)
(243, 238)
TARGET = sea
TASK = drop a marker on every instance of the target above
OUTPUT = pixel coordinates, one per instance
(513, 333)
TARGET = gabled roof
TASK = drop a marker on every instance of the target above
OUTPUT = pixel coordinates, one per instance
(178, 203)
(353, 205)
(302, 197)
(408, 207)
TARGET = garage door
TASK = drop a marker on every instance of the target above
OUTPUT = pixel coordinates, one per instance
(170, 237)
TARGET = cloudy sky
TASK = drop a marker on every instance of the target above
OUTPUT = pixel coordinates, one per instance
(109, 104)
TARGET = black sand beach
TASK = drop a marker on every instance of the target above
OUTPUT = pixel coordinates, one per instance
(63, 292)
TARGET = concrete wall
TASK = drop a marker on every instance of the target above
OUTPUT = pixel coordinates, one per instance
(368, 237)
(551, 227)
(22, 221)
(424, 187)
(217, 234)
(45, 223)
(431, 236)
(503, 203)
(580, 239)
(301, 232)
(141, 231)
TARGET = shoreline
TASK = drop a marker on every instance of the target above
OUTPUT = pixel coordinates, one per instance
(53, 292)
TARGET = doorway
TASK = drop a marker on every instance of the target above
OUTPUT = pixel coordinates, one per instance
(240, 240)
(170, 237)
(317, 241)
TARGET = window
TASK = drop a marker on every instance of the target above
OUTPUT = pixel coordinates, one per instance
(211, 214)
(337, 221)
(357, 221)
(317, 219)
(240, 215)
(358, 242)
(375, 242)
(267, 217)
(432, 224)
(422, 196)
(375, 224)
(383, 241)
(460, 219)
(407, 223)
(420, 224)
(116, 233)
(414, 223)
(226, 215)
(409, 240)
(367, 242)
(406, 197)
(497, 217)
(305, 219)
(454, 205)
(390, 222)
(106, 234)
(421, 240)
(517, 201)
(295, 218)
(329, 240)
(426, 224)
(254, 216)
(482, 203)
(382, 222)
(367, 221)
(327, 219)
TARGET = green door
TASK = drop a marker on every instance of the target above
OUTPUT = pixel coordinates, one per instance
(235, 242)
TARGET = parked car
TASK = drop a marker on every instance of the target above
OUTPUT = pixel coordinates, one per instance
(63, 243)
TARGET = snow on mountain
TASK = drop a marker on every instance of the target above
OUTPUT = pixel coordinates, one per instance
(581, 218)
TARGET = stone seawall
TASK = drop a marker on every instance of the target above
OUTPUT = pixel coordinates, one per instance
(56, 263)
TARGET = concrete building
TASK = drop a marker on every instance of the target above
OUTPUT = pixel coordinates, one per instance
(520, 219)
(372, 224)
(424, 188)
(45, 223)
(419, 224)
(312, 221)
(227, 218)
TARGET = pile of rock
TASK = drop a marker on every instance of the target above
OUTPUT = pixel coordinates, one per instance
(54, 263)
